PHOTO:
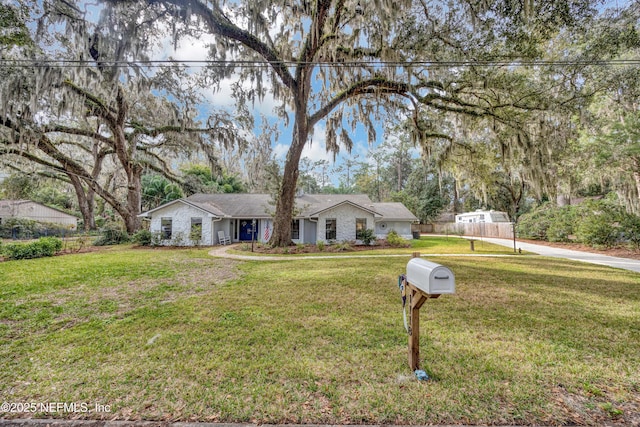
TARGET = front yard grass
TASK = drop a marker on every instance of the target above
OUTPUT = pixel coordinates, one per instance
(424, 245)
(177, 335)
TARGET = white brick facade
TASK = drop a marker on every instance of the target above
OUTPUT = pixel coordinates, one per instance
(403, 228)
(345, 216)
(180, 215)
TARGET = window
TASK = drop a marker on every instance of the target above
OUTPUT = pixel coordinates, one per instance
(330, 229)
(499, 217)
(295, 229)
(196, 229)
(166, 224)
(361, 225)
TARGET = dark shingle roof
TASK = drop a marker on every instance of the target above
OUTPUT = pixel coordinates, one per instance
(235, 205)
(394, 211)
(312, 204)
(243, 205)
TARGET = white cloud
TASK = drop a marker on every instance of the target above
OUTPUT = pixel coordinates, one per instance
(280, 150)
(223, 97)
(316, 148)
(191, 49)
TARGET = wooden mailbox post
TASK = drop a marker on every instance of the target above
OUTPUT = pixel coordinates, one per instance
(425, 280)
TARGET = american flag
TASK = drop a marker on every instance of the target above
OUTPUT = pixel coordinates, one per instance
(267, 231)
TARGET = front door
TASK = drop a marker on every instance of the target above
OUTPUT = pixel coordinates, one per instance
(246, 232)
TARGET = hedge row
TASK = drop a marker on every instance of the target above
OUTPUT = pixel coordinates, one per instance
(45, 246)
(599, 223)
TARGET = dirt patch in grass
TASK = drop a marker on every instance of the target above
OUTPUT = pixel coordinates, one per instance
(206, 273)
(113, 300)
(193, 277)
(597, 407)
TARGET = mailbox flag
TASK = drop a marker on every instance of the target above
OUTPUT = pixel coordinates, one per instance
(267, 231)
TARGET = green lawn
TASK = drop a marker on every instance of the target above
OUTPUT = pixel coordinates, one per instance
(456, 245)
(174, 334)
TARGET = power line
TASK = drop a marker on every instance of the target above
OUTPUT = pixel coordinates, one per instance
(35, 63)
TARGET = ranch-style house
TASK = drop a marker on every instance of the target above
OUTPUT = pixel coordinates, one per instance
(205, 219)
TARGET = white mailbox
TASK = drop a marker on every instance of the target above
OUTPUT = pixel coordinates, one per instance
(430, 278)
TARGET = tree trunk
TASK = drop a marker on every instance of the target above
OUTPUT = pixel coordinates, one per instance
(98, 158)
(131, 222)
(563, 198)
(456, 197)
(85, 203)
(287, 193)
(91, 196)
(636, 174)
(134, 198)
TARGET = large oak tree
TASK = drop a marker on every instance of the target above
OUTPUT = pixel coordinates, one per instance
(309, 49)
(345, 61)
(75, 107)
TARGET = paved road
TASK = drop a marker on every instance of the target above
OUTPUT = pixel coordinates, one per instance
(550, 251)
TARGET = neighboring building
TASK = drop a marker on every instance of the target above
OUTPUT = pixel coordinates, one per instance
(26, 209)
(319, 217)
(482, 216)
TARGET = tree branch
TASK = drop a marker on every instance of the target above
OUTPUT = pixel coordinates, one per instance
(221, 25)
(95, 103)
(31, 157)
(376, 84)
(312, 41)
(141, 130)
(164, 171)
(75, 131)
(65, 165)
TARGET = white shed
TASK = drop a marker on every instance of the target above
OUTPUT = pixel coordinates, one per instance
(480, 215)
(27, 209)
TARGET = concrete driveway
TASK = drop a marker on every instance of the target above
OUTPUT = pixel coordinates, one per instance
(611, 261)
